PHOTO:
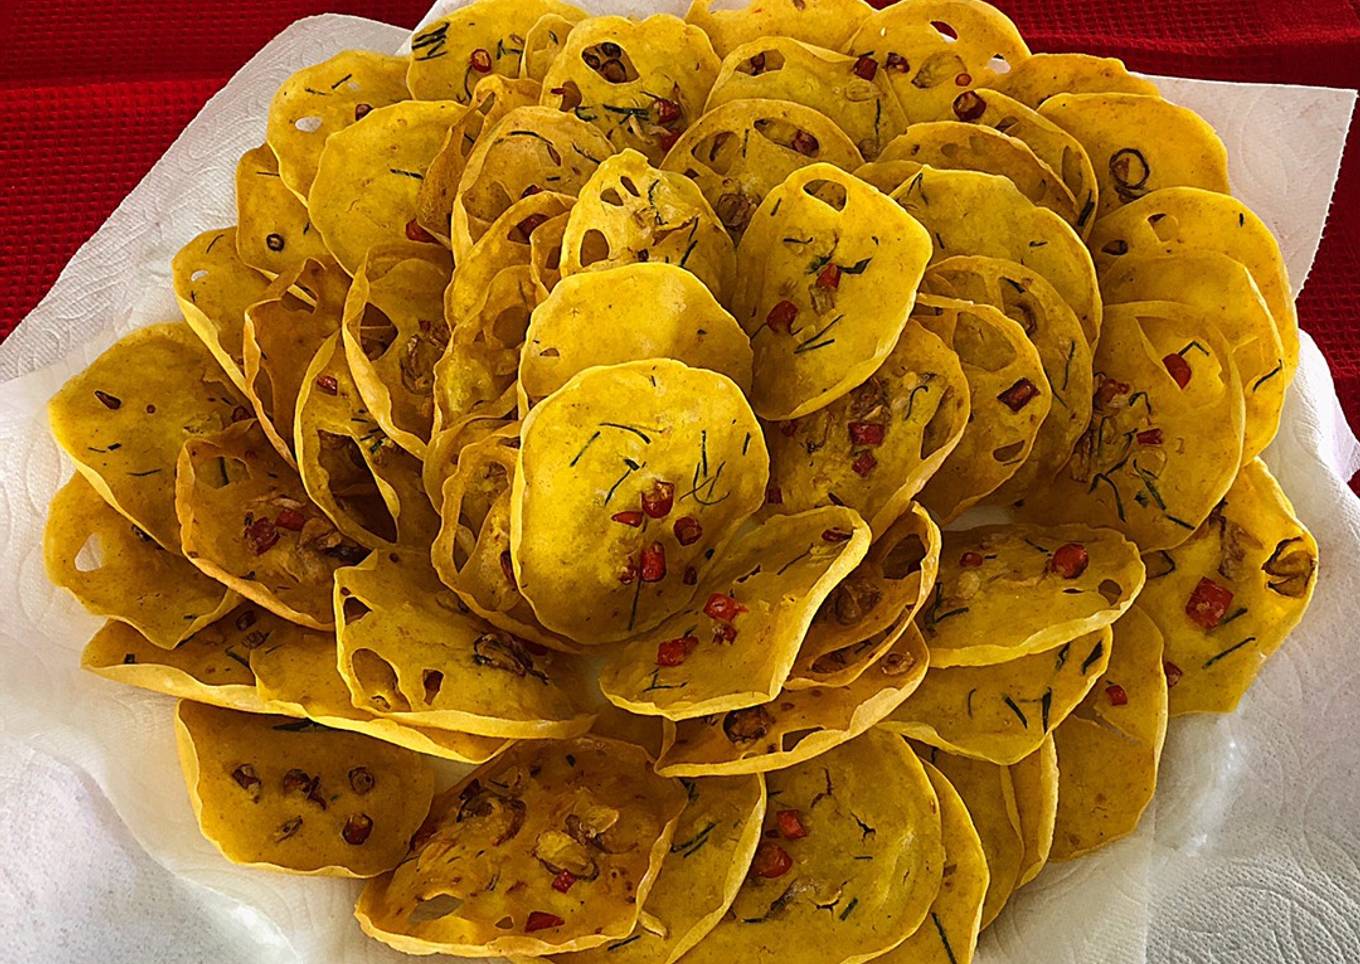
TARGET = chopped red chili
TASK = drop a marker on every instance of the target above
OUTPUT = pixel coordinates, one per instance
(328, 384)
(897, 62)
(563, 881)
(1018, 395)
(261, 535)
(970, 560)
(1108, 390)
(829, 276)
(1173, 673)
(667, 139)
(1069, 560)
(836, 535)
(805, 143)
(667, 111)
(1178, 368)
(1208, 603)
(691, 576)
(480, 60)
(724, 632)
(673, 652)
(865, 67)
(1152, 436)
(629, 517)
(791, 824)
(723, 608)
(541, 920)
(867, 433)
(657, 500)
(781, 316)
(653, 568)
(770, 861)
(291, 519)
(864, 464)
(687, 530)
(414, 232)
(629, 572)
(969, 106)
(1116, 694)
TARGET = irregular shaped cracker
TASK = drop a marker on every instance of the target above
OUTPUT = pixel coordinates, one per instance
(827, 22)
(214, 287)
(1042, 76)
(1035, 781)
(274, 233)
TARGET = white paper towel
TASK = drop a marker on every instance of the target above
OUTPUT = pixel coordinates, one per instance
(1252, 851)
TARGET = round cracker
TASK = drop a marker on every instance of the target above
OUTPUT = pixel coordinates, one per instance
(827, 22)
(1041, 76)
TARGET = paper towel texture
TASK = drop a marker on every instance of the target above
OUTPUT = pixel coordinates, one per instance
(1250, 853)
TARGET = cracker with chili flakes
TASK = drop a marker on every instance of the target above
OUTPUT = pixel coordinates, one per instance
(530, 149)
(1181, 220)
(797, 725)
(213, 288)
(493, 97)
(1166, 431)
(1227, 597)
(1009, 399)
(874, 448)
(1139, 144)
(246, 522)
(629, 211)
(1023, 295)
(628, 475)
(652, 311)
(471, 552)
(968, 212)
(368, 180)
(1223, 289)
(1035, 782)
(735, 642)
(988, 792)
(1110, 747)
(274, 234)
(829, 270)
(290, 795)
(949, 933)
(1006, 591)
(851, 90)
(212, 666)
(1042, 76)
(324, 99)
(829, 23)
(741, 151)
(451, 55)
(281, 335)
(710, 852)
(552, 847)
(365, 483)
(810, 894)
(1003, 712)
(869, 609)
(542, 43)
(298, 676)
(410, 651)
(932, 50)
(394, 332)
(130, 578)
(1052, 145)
(123, 419)
(640, 82)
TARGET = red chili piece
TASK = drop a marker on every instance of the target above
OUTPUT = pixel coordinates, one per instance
(1208, 604)
(970, 560)
(687, 530)
(667, 111)
(865, 67)
(691, 576)
(1173, 673)
(290, 519)
(864, 464)
(1109, 389)
(653, 567)
(480, 60)
(781, 317)
(867, 433)
(805, 144)
(541, 920)
(963, 80)
(563, 881)
(629, 517)
(791, 824)
(723, 608)
(724, 632)
(261, 536)
(657, 501)
(1069, 560)
(829, 276)
(757, 63)
(667, 139)
(1018, 395)
(969, 106)
(1178, 368)
(414, 232)
(770, 861)
(897, 62)
(1152, 436)
(673, 652)
(629, 571)
(835, 535)
(1116, 694)
(328, 384)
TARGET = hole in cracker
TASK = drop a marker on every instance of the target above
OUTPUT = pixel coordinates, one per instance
(309, 124)
(91, 555)
(828, 192)
(594, 247)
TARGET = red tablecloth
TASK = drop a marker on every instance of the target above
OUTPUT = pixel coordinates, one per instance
(94, 93)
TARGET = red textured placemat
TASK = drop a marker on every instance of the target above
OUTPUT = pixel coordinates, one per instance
(93, 94)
